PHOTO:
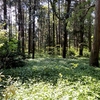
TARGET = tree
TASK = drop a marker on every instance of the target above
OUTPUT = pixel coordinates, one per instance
(5, 13)
(19, 26)
(81, 27)
(10, 20)
(94, 57)
(64, 19)
(49, 33)
(33, 37)
(29, 30)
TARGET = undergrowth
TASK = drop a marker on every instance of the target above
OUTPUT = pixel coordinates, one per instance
(51, 79)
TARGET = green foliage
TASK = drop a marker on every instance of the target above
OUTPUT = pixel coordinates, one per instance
(71, 51)
(9, 89)
(53, 79)
(3, 37)
(9, 57)
(86, 53)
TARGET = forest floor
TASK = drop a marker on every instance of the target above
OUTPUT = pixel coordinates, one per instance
(51, 79)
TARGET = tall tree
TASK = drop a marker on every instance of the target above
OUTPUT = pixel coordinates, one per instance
(59, 21)
(82, 18)
(33, 37)
(53, 29)
(10, 20)
(49, 35)
(94, 57)
(29, 30)
(65, 28)
(20, 28)
(5, 13)
(84, 8)
(22, 32)
(64, 19)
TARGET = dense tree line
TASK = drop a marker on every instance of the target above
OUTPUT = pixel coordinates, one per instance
(51, 26)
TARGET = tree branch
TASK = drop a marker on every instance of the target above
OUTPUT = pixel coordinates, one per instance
(67, 11)
(54, 9)
(87, 10)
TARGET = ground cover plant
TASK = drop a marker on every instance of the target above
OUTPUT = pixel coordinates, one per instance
(51, 79)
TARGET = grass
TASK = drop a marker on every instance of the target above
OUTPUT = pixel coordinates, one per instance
(52, 79)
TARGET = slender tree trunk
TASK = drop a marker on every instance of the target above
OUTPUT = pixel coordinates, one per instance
(56, 35)
(38, 42)
(5, 13)
(19, 26)
(89, 29)
(94, 57)
(29, 30)
(49, 36)
(53, 29)
(89, 34)
(65, 30)
(65, 40)
(21, 29)
(59, 24)
(33, 39)
(81, 36)
(16, 19)
(81, 28)
(10, 22)
(22, 34)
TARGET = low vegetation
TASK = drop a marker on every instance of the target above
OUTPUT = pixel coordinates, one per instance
(51, 79)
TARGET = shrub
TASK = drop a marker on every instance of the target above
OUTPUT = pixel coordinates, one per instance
(71, 52)
(86, 53)
(9, 57)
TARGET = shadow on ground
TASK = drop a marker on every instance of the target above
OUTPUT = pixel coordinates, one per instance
(51, 69)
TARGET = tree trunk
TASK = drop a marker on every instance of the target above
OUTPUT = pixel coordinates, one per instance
(29, 30)
(89, 29)
(22, 33)
(89, 34)
(59, 24)
(65, 40)
(33, 39)
(5, 13)
(49, 35)
(53, 32)
(10, 22)
(81, 37)
(19, 26)
(81, 28)
(65, 29)
(21, 29)
(94, 57)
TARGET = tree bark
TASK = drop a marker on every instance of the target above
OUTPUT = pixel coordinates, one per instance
(81, 37)
(22, 33)
(89, 34)
(65, 29)
(33, 37)
(5, 13)
(65, 40)
(19, 26)
(10, 21)
(81, 28)
(49, 35)
(29, 30)
(94, 57)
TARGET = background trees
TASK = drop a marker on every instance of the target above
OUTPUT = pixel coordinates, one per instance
(58, 27)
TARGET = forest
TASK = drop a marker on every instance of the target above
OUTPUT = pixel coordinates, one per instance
(49, 49)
